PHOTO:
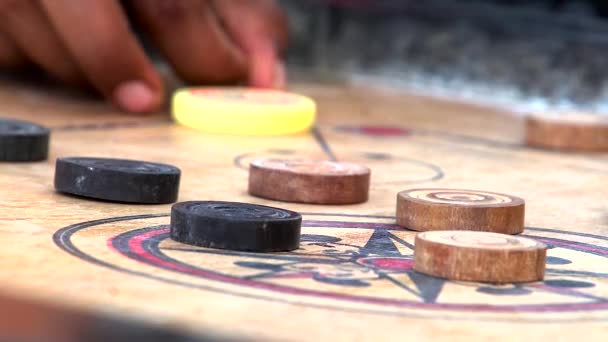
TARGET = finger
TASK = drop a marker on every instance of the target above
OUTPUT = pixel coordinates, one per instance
(31, 31)
(10, 55)
(97, 35)
(190, 36)
(259, 28)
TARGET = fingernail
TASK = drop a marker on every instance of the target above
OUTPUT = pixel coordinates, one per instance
(280, 77)
(135, 97)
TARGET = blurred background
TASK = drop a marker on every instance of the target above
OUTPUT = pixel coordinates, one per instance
(527, 55)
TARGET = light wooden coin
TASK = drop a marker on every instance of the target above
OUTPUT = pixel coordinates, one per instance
(479, 256)
(576, 132)
(454, 209)
(306, 181)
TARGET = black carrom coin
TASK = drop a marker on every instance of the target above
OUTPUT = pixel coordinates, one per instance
(118, 180)
(235, 226)
(22, 141)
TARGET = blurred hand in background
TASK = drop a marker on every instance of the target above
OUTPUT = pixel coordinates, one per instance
(90, 43)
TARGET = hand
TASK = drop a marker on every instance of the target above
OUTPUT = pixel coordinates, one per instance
(89, 42)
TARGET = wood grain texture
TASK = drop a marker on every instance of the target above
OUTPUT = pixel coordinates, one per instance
(587, 134)
(317, 182)
(460, 210)
(479, 256)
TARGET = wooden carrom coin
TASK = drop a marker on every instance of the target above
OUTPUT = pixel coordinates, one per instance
(575, 132)
(453, 209)
(306, 181)
(479, 256)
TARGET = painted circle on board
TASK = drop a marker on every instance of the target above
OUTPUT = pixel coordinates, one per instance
(476, 239)
(352, 263)
(460, 197)
(410, 171)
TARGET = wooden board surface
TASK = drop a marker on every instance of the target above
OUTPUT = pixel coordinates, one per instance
(352, 279)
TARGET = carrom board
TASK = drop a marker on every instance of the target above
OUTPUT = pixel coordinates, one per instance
(352, 278)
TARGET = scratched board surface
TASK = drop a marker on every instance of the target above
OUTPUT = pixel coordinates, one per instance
(352, 278)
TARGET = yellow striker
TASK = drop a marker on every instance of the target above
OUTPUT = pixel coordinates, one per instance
(243, 111)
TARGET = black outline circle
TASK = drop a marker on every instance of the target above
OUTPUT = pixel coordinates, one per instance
(62, 238)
